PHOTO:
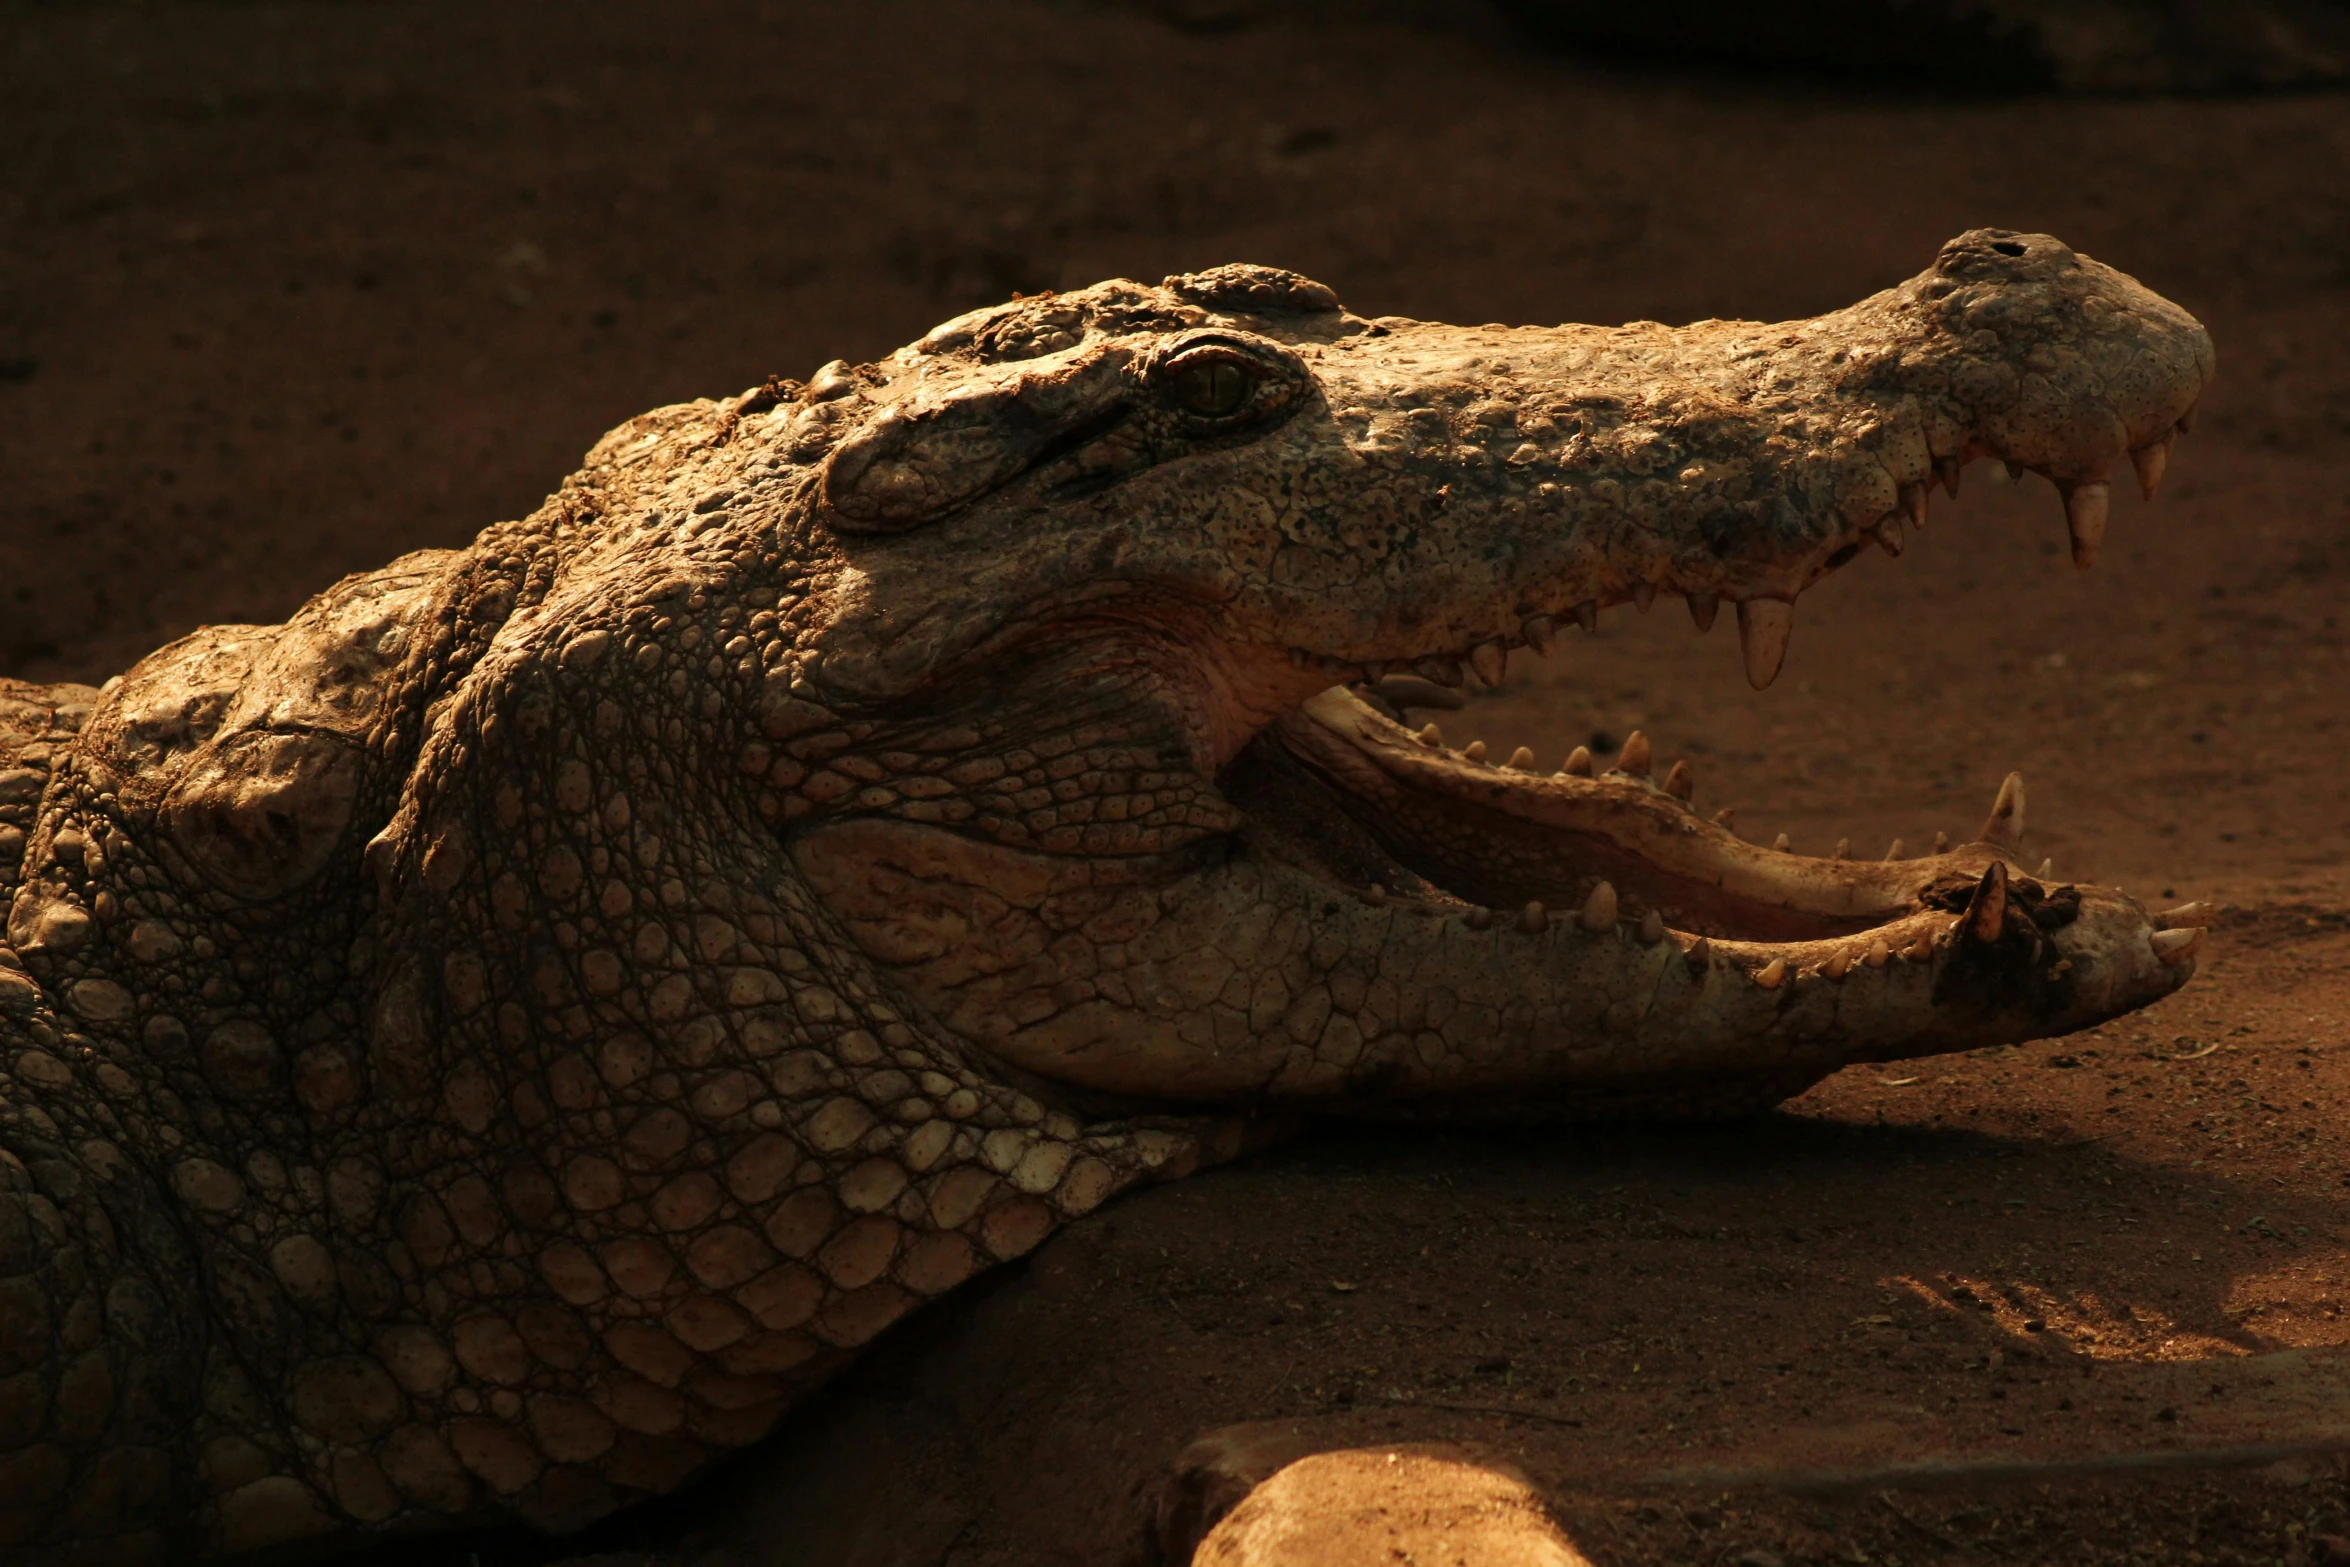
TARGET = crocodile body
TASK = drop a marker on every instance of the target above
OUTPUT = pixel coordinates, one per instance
(492, 1043)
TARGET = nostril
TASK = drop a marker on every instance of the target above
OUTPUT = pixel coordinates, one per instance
(2007, 247)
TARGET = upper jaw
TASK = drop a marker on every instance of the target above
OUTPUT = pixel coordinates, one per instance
(1581, 467)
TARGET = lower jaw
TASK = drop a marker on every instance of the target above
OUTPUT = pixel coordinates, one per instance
(1394, 816)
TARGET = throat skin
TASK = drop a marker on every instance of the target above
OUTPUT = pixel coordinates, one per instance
(487, 1047)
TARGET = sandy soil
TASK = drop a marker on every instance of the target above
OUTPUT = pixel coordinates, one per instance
(290, 289)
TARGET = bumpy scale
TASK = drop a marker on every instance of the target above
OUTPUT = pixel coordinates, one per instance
(493, 1042)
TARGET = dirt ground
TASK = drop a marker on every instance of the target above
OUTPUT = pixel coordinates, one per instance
(287, 289)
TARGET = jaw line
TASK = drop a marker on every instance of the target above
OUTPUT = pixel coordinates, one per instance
(1703, 879)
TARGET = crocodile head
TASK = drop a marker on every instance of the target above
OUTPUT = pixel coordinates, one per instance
(1174, 559)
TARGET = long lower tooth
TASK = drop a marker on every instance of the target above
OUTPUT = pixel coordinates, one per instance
(1578, 763)
(1773, 974)
(1680, 781)
(1701, 610)
(1878, 954)
(1652, 928)
(1893, 853)
(1763, 628)
(2150, 460)
(2085, 507)
(1635, 758)
(1533, 919)
(1521, 760)
(1599, 910)
(2178, 947)
(2004, 829)
(1986, 914)
(2187, 916)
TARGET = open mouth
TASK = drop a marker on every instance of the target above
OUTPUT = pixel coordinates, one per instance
(1352, 785)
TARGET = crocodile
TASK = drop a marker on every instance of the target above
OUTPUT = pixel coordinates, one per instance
(489, 1045)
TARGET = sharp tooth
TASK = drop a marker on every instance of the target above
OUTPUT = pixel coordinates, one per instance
(1491, 661)
(1763, 628)
(1430, 735)
(2015, 471)
(1700, 956)
(1773, 974)
(1587, 615)
(1634, 758)
(2150, 460)
(2046, 872)
(1478, 919)
(1722, 817)
(2178, 947)
(1539, 631)
(1947, 469)
(1474, 750)
(1985, 919)
(1599, 910)
(1889, 536)
(1780, 843)
(1920, 950)
(1701, 610)
(1643, 595)
(1680, 782)
(1878, 954)
(1941, 843)
(1522, 759)
(2004, 829)
(1913, 504)
(1843, 848)
(1578, 763)
(1652, 928)
(1838, 965)
(1439, 668)
(1893, 853)
(2085, 506)
(1533, 919)
(2187, 916)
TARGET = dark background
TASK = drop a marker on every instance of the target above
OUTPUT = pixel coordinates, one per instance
(288, 289)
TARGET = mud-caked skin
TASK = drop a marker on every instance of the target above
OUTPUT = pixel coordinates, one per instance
(493, 1042)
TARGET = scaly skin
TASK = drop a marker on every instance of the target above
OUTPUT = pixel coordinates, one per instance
(496, 1040)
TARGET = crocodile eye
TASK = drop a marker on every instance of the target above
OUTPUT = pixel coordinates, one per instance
(1211, 383)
